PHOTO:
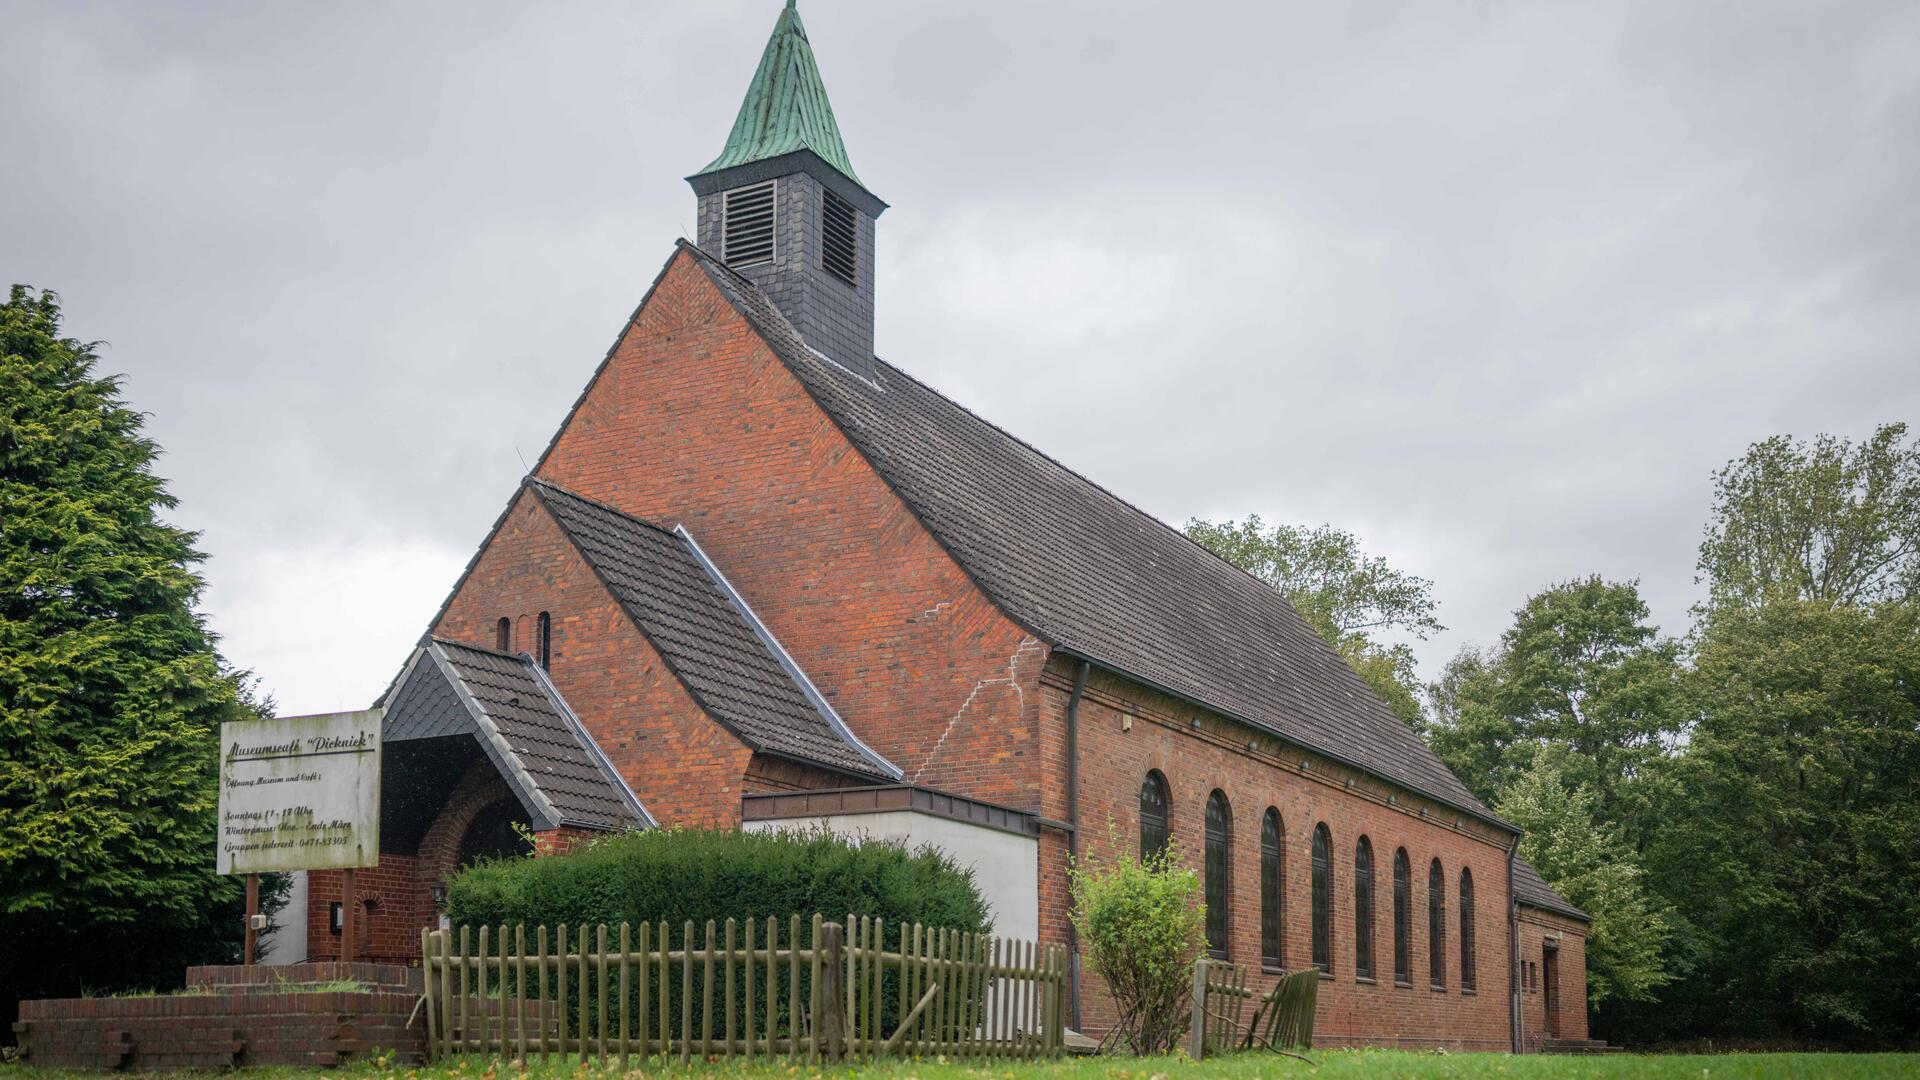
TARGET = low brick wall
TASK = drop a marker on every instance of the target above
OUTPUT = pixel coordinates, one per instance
(238, 1016)
(267, 978)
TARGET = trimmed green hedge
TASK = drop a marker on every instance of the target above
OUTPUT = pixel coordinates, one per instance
(682, 874)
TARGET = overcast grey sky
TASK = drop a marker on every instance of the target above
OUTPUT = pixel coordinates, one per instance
(1497, 286)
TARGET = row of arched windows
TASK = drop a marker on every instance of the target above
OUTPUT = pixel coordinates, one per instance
(503, 638)
(1155, 834)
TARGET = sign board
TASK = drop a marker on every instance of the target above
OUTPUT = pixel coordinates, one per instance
(300, 793)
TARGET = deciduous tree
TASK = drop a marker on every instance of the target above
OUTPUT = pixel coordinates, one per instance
(1581, 669)
(1827, 522)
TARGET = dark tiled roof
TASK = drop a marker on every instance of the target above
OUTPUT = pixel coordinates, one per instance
(1096, 576)
(508, 705)
(712, 641)
(1531, 889)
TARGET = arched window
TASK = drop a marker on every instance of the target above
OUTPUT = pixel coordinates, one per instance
(1219, 867)
(1153, 815)
(546, 641)
(1273, 887)
(1322, 898)
(503, 634)
(1402, 919)
(1363, 910)
(1437, 923)
(1469, 977)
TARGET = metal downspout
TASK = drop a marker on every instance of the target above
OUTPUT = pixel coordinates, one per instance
(1073, 819)
(1513, 949)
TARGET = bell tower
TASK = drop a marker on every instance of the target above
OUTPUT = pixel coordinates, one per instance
(781, 204)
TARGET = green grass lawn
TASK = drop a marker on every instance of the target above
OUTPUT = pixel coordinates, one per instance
(1328, 1065)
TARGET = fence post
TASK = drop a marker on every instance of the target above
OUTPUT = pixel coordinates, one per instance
(427, 982)
(1197, 1026)
(832, 1023)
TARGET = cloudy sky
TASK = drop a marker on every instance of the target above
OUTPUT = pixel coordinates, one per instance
(1496, 286)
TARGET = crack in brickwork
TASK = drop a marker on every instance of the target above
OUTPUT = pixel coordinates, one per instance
(1011, 678)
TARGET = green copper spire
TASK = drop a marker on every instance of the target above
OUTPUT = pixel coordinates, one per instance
(786, 107)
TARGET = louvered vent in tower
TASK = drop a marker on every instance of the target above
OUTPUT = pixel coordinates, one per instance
(837, 236)
(748, 235)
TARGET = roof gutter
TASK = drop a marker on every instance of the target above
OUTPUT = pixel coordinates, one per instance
(1478, 815)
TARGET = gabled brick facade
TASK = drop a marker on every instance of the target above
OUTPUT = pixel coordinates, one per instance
(693, 420)
(616, 682)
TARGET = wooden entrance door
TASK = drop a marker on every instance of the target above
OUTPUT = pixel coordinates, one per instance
(1550, 988)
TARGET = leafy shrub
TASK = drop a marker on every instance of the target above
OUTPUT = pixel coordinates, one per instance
(1141, 926)
(688, 874)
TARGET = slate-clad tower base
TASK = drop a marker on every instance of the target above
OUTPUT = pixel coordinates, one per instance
(833, 316)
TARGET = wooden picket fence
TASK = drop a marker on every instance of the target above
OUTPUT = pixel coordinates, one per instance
(1219, 996)
(619, 993)
(1283, 1018)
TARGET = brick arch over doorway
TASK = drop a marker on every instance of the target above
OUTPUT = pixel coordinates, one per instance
(397, 895)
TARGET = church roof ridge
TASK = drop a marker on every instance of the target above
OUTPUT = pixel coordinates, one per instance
(786, 108)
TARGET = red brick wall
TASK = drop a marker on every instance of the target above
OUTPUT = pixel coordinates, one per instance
(693, 420)
(1114, 760)
(392, 898)
(562, 840)
(685, 768)
(1570, 1017)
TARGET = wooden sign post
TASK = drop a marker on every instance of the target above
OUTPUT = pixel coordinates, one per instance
(253, 909)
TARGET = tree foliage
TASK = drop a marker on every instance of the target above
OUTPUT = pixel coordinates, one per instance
(1747, 796)
(1826, 522)
(1568, 840)
(1790, 829)
(1582, 670)
(111, 694)
(1350, 597)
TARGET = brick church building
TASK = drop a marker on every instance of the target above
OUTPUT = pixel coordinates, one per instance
(763, 577)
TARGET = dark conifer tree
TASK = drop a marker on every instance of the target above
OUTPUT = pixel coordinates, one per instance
(111, 692)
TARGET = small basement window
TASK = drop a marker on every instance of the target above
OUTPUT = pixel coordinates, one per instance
(838, 237)
(747, 226)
